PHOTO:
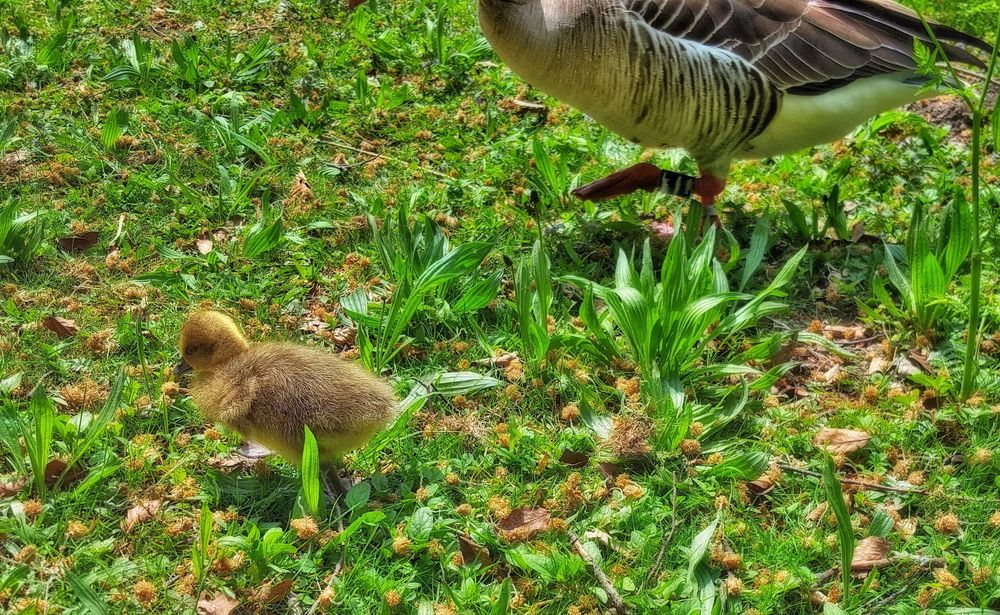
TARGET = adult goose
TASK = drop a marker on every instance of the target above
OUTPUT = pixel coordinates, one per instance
(722, 79)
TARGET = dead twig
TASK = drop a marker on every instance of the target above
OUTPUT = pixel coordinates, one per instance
(878, 487)
(920, 560)
(850, 481)
(617, 606)
(377, 155)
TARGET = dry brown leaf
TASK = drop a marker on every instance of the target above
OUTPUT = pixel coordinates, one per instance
(204, 246)
(574, 459)
(273, 593)
(472, 552)
(13, 161)
(313, 325)
(216, 604)
(857, 231)
(78, 243)
(841, 441)
(12, 488)
(877, 366)
(906, 527)
(300, 192)
(816, 514)
(831, 374)
(609, 470)
(343, 336)
(523, 523)
(519, 105)
(55, 468)
(869, 553)
(761, 486)
(921, 360)
(844, 332)
(142, 512)
(501, 360)
(63, 327)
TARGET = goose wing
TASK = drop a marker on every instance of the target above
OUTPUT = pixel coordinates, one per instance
(806, 46)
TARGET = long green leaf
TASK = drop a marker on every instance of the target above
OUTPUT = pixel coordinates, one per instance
(114, 127)
(39, 440)
(480, 294)
(845, 534)
(699, 548)
(87, 597)
(758, 244)
(310, 474)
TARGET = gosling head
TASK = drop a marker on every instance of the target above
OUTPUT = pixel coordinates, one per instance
(208, 339)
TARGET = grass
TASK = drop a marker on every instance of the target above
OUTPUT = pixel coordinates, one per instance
(256, 157)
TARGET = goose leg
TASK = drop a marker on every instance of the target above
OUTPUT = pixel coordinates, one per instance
(708, 188)
(642, 176)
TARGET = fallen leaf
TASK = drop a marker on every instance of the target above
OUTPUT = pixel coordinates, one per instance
(55, 468)
(906, 367)
(142, 512)
(857, 232)
(844, 332)
(761, 486)
(343, 336)
(921, 360)
(313, 325)
(906, 527)
(63, 327)
(817, 513)
(519, 105)
(272, 593)
(573, 459)
(831, 374)
(254, 450)
(13, 161)
(839, 441)
(609, 470)
(501, 360)
(530, 105)
(523, 523)
(216, 604)
(869, 553)
(78, 243)
(877, 366)
(300, 192)
(204, 246)
(353, 4)
(12, 488)
(473, 552)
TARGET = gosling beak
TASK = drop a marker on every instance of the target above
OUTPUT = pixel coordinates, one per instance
(181, 368)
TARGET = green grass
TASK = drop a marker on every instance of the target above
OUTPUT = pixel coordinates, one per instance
(163, 127)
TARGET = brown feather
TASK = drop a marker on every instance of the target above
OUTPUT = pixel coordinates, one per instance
(808, 46)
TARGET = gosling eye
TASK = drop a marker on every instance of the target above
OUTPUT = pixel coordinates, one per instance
(192, 349)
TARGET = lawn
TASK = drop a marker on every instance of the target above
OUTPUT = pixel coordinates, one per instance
(587, 419)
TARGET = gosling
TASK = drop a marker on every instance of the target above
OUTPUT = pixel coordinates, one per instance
(269, 391)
